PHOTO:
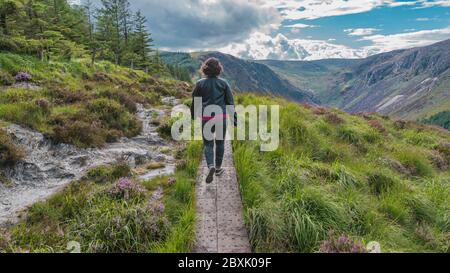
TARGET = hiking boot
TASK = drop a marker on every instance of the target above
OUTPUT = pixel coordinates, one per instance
(219, 171)
(210, 176)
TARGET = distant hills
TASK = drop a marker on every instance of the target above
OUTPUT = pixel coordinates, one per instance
(243, 75)
(411, 84)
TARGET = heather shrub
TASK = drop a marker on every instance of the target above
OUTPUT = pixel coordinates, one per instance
(341, 244)
(22, 77)
(113, 116)
(333, 118)
(165, 127)
(65, 95)
(6, 78)
(9, 153)
(375, 124)
(44, 104)
(126, 188)
(127, 98)
(78, 128)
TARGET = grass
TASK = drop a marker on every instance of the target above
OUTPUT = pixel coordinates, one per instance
(363, 176)
(90, 212)
(78, 103)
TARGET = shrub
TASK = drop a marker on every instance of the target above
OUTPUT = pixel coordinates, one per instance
(165, 127)
(375, 124)
(65, 95)
(77, 128)
(334, 118)
(9, 153)
(44, 104)
(127, 98)
(22, 77)
(6, 78)
(115, 117)
(126, 188)
(341, 244)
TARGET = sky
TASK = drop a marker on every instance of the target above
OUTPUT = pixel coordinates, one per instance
(296, 29)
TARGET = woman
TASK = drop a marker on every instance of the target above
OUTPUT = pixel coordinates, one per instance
(215, 93)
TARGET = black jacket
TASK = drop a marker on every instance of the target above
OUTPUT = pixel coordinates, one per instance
(213, 91)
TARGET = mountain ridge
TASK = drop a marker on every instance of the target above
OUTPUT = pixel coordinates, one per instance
(244, 75)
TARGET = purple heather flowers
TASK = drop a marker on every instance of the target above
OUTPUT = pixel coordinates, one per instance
(342, 244)
(127, 188)
(22, 77)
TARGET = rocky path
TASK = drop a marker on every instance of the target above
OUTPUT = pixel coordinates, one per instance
(48, 167)
(219, 225)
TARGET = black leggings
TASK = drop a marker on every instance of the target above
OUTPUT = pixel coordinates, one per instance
(214, 134)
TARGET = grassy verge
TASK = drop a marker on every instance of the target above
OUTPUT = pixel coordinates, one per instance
(360, 177)
(109, 211)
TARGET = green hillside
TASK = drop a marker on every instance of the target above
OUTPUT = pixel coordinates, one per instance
(64, 99)
(364, 176)
(441, 119)
(74, 102)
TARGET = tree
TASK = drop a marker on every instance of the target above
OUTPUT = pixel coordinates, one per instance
(142, 41)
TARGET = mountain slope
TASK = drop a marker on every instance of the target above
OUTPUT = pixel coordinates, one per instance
(405, 83)
(412, 83)
(244, 76)
(317, 77)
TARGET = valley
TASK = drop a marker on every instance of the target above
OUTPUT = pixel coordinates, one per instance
(411, 84)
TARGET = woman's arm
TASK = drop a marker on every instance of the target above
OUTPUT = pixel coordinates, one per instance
(194, 94)
(229, 100)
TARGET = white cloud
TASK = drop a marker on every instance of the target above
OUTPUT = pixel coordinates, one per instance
(360, 31)
(201, 24)
(442, 3)
(313, 9)
(383, 43)
(299, 25)
(262, 46)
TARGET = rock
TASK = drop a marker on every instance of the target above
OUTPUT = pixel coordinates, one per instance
(373, 247)
(170, 101)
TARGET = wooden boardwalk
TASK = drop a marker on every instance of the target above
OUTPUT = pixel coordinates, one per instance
(219, 221)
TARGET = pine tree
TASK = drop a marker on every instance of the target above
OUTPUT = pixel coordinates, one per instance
(109, 30)
(142, 41)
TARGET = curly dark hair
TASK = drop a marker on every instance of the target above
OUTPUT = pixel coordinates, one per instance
(211, 68)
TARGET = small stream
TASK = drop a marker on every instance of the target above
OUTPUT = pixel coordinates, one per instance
(48, 167)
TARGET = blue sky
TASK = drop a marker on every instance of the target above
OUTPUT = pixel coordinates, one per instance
(383, 20)
(296, 29)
